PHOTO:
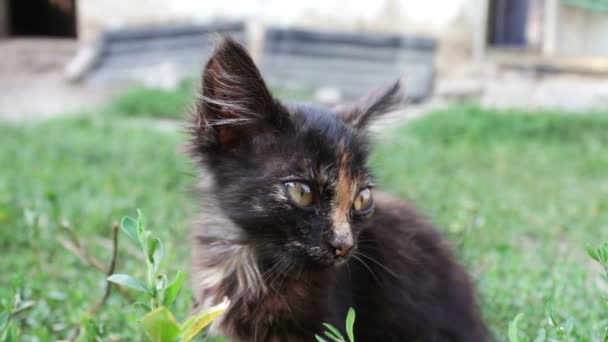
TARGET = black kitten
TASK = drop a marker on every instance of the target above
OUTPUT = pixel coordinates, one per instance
(291, 233)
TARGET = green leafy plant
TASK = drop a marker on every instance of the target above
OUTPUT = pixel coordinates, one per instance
(335, 335)
(159, 323)
(600, 254)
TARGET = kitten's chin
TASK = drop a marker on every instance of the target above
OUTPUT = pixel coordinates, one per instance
(329, 262)
(340, 261)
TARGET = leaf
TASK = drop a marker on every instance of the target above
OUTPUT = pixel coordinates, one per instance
(350, 323)
(592, 253)
(128, 281)
(603, 254)
(514, 329)
(173, 289)
(320, 339)
(333, 333)
(152, 246)
(195, 324)
(129, 227)
(333, 337)
(157, 254)
(160, 325)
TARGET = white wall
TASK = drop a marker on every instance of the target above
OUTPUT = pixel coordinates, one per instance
(581, 33)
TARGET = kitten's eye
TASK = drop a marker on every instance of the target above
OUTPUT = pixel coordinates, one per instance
(300, 193)
(363, 202)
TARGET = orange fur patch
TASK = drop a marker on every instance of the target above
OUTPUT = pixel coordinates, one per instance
(344, 194)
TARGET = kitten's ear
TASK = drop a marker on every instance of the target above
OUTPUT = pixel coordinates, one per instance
(235, 103)
(381, 101)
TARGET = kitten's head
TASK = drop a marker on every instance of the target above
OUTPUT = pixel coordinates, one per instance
(292, 177)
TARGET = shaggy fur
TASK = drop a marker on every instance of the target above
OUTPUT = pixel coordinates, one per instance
(288, 268)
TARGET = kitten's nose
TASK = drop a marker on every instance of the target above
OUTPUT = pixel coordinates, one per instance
(341, 246)
(341, 250)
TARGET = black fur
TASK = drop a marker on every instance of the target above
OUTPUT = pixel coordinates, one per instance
(277, 261)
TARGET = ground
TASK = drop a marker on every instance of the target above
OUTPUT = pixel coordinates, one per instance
(33, 84)
(518, 195)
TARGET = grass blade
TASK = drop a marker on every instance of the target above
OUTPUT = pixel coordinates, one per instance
(514, 328)
(350, 323)
(333, 333)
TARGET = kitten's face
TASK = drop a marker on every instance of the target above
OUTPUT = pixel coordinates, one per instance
(293, 178)
(302, 193)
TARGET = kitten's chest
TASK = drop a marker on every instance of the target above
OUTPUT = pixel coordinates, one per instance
(294, 312)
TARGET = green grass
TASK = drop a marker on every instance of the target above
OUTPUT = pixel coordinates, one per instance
(142, 101)
(519, 195)
(90, 172)
(148, 102)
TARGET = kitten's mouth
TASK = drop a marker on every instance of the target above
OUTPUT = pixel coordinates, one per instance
(337, 259)
(317, 257)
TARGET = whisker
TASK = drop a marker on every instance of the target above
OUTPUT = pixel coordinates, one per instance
(377, 263)
(368, 268)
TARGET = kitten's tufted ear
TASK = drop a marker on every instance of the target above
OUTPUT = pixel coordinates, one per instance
(235, 103)
(381, 101)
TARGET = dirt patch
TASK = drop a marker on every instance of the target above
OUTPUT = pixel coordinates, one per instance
(33, 85)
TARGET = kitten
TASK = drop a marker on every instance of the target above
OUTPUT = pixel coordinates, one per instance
(290, 230)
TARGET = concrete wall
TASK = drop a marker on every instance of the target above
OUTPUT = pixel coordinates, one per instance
(581, 33)
(450, 21)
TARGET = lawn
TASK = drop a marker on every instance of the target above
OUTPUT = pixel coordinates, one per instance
(519, 195)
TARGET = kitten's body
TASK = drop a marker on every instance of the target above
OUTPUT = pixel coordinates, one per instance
(404, 287)
(288, 268)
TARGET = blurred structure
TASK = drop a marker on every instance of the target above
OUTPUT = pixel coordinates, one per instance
(550, 28)
(477, 41)
(158, 56)
(347, 64)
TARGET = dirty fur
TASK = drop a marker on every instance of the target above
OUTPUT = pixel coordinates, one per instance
(278, 261)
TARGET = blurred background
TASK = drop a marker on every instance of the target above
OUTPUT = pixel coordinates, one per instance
(504, 142)
(503, 53)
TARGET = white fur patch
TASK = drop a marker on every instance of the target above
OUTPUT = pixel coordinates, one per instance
(221, 255)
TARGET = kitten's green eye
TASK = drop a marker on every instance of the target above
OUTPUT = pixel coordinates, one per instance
(300, 193)
(363, 202)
